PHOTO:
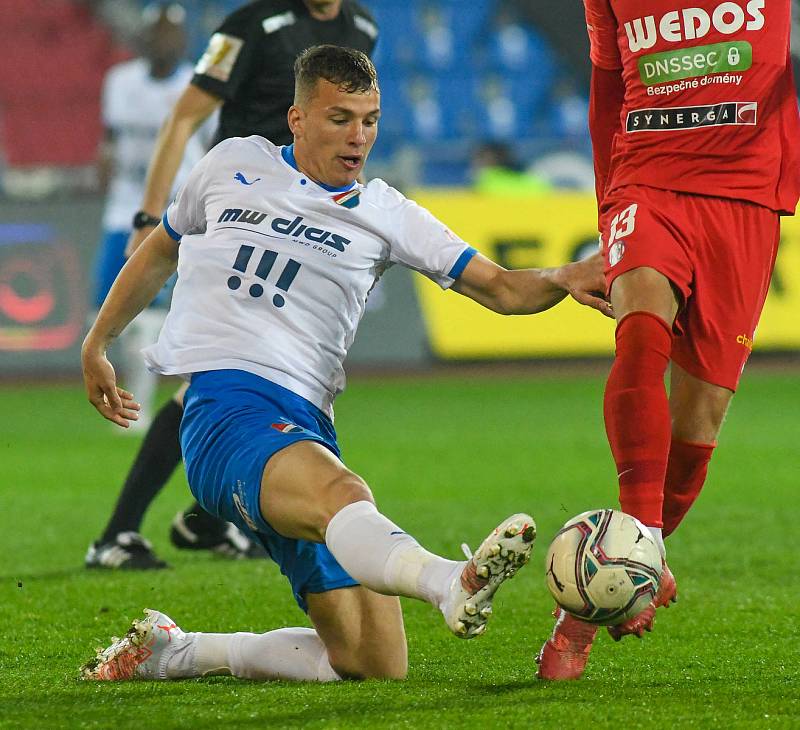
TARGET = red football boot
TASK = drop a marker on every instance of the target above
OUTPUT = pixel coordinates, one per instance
(565, 653)
(643, 621)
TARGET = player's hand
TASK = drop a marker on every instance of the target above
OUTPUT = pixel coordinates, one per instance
(135, 239)
(112, 402)
(585, 283)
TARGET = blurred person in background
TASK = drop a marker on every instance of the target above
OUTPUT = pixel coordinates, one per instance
(137, 95)
(247, 74)
(495, 171)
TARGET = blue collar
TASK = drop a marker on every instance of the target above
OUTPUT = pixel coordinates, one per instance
(287, 153)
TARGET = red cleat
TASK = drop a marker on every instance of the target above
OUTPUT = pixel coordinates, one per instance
(643, 621)
(565, 653)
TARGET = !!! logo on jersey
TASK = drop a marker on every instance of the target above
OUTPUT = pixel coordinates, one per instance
(262, 272)
(694, 23)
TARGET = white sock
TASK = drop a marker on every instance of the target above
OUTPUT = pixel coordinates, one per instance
(384, 558)
(659, 538)
(293, 654)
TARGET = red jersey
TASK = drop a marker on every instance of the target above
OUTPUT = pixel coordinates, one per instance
(695, 96)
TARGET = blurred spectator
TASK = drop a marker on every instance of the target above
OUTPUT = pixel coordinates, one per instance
(437, 36)
(496, 172)
(564, 26)
(137, 96)
(511, 41)
(499, 115)
(427, 120)
(570, 111)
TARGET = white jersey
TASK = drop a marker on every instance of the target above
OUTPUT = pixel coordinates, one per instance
(134, 107)
(274, 269)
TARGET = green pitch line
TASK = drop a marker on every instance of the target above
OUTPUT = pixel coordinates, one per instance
(446, 458)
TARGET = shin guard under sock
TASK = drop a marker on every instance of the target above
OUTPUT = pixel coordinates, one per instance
(686, 474)
(637, 417)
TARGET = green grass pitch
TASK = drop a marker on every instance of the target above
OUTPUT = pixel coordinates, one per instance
(447, 458)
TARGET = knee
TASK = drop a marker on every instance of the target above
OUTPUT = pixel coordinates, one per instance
(345, 489)
(698, 410)
(359, 668)
(700, 426)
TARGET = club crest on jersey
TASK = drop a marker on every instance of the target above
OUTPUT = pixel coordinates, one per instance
(615, 253)
(349, 199)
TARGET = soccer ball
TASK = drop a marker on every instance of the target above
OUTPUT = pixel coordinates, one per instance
(603, 567)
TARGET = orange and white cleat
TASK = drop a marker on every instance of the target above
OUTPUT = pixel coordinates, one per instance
(469, 601)
(643, 621)
(565, 654)
(140, 654)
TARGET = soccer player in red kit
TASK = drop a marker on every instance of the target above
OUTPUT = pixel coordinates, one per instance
(695, 129)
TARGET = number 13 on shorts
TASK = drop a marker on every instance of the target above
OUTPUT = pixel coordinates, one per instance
(622, 225)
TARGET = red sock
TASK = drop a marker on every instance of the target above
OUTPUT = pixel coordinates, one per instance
(637, 417)
(686, 474)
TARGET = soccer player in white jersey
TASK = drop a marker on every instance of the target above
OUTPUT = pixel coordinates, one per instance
(277, 250)
(137, 95)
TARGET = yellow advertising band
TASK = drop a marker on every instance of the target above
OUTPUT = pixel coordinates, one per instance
(547, 230)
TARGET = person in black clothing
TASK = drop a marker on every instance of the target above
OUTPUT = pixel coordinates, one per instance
(246, 72)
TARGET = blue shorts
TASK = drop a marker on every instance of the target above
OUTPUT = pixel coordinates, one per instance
(233, 422)
(109, 262)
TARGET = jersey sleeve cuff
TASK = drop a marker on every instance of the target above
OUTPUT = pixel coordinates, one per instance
(170, 230)
(461, 262)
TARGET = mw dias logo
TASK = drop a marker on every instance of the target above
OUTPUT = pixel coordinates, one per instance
(690, 24)
(296, 228)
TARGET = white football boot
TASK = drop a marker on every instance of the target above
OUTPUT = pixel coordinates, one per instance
(141, 654)
(469, 604)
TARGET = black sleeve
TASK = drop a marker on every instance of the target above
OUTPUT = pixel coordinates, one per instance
(230, 54)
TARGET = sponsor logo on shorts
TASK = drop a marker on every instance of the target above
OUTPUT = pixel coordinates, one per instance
(615, 253)
(670, 119)
(287, 427)
(219, 57)
(746, 341)
(237, 501)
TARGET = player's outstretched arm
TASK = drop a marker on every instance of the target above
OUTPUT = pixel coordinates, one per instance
(192, 108)
(527, 291)
(136, 286)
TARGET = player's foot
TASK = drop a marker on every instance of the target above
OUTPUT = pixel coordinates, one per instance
(190, 532)
(141, 654)
(508, 548)
(127, 551)
(565, 653)
(643, 621)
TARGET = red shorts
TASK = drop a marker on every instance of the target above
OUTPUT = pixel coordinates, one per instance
(719, 253)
